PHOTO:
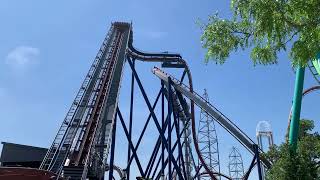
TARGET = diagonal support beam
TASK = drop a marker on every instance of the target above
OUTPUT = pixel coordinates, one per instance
(144, 128)
(165, 162)
(155, 119)
(130, 143)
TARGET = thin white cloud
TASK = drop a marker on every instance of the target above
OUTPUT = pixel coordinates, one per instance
(22, 56)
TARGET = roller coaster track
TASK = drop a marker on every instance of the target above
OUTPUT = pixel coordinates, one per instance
(81, 146)
(314, 67)
(305, 92)
(234, 130)
(176, 61)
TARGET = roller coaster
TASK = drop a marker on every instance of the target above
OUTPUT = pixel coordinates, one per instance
(85, 145)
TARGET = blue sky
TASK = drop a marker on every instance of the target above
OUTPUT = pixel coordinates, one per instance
(47, 47)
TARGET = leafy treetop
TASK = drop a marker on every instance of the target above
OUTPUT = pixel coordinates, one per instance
(266, 27)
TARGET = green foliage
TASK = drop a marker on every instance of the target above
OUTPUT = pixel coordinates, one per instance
(266, 27)
(301, 166)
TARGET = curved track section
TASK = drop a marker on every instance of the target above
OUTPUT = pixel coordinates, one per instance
(120, 172)
(173, 60)
(305, 92)
(176, 61)
(314, 67)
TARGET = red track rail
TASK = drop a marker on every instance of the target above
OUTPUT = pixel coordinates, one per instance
(91, 129)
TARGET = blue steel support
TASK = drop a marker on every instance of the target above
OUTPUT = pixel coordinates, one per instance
(169, 127)
(153, 158)
(156, 149)
(156, 168)
(157, 146)
(130, 143)
(166, 161)
(113, 145)
(196, 176)
(183, 75)
(255, 160)
(174, 147)
(178, 142)
(145, 127)
(162, 125)
(256, 147)
(165, 127)
(246, 176)
(130, 120)
(176, 122)
(155, 119)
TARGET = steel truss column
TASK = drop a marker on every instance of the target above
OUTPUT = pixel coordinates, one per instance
(208, 140)
(236, 164)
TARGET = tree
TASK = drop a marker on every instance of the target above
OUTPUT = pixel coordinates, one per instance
(266, 27)
(305, 165)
